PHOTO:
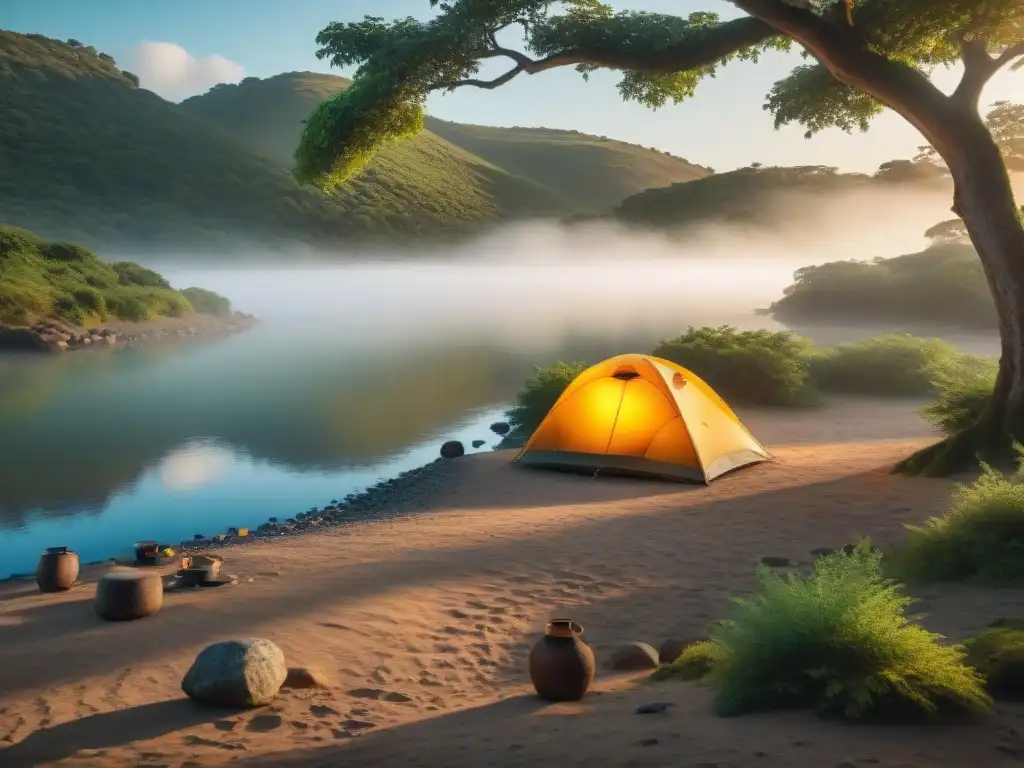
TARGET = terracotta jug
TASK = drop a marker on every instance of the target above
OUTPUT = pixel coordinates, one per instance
(57, 569)
(561, 663)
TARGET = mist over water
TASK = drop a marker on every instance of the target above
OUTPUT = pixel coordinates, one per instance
(361, 367)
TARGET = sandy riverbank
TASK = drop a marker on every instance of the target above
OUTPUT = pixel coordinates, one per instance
(423, 623)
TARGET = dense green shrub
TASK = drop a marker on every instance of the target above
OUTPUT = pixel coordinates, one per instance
(963, 392)
(208, 302)
(746, 367)
(537, 396)
(980, 536)
(998, 654)
(893, 365)
(39, 280)
(838, 641)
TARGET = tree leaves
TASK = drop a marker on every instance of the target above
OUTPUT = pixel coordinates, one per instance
(663, 58)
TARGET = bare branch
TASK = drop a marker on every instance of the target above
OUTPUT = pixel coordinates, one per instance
(488, 84)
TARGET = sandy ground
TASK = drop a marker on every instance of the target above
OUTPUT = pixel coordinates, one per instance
(423, 625)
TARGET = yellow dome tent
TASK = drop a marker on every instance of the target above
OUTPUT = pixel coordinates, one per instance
(642, 415)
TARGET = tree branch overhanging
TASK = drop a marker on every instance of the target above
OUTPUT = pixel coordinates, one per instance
(979, 66)
(1011, 53)
(687, 54)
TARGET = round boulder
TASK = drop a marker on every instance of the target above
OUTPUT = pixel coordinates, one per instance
(236, 673)
(634, 656)
(500, 428)
(452, 450)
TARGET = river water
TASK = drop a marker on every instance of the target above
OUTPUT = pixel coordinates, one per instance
(356, 373)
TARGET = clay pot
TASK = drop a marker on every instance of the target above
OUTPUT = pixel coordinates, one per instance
(561, 663)
(57, 569)
(129, 594)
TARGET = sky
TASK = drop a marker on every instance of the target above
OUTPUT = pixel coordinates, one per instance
(182, 47)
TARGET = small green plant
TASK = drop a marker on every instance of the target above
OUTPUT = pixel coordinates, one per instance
(980, 537)
(746, 367)
(694, 663)
(837, 640)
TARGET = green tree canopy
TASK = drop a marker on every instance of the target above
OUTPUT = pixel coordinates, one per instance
(661, 58)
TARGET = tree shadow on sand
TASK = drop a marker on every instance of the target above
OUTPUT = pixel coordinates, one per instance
(107, 730)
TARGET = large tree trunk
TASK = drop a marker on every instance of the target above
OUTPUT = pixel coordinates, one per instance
(984, 199)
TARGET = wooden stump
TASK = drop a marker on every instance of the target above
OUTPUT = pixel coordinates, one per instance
(129, 594)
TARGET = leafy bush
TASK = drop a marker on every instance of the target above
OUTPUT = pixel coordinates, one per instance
(208, 302)
(538, 395)
(998, 654)
(694, 663)
(980, 536)
(893, 365)
(130, 273)
(963, 392)
(751, 367)
(838, 641)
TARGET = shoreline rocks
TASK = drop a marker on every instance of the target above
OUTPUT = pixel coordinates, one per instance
(56, 336)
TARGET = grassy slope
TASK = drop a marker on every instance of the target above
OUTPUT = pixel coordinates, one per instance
(592, 173)
(520, 170)
(86, 156)
(40, 280)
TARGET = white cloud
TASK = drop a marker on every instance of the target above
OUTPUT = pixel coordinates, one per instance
(172, 72)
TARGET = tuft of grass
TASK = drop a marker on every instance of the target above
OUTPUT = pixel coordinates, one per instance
(998, 654)
(980, 537)
(694, 663)
(838, 641)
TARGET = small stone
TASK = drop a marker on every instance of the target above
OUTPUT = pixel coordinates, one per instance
(453, 449)
(654, 708)
(671, 649)
(776, 562)
(500, 428)
(397, 697)
(634, 656)
(304, 677)
(264, 723)
(478, 443)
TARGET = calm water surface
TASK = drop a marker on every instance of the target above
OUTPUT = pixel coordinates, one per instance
(356, 374)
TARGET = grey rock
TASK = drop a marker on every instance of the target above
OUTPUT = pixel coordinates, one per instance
(236, 673)
(634, 656)
(500, 428)
(478, 443)
(453, 449)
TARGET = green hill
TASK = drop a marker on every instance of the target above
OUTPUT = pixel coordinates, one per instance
(87, 156)
(40, 280)
(521, 170)
(944, 285)
(764, 197)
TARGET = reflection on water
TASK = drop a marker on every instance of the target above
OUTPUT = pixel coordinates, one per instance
(356, 374)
